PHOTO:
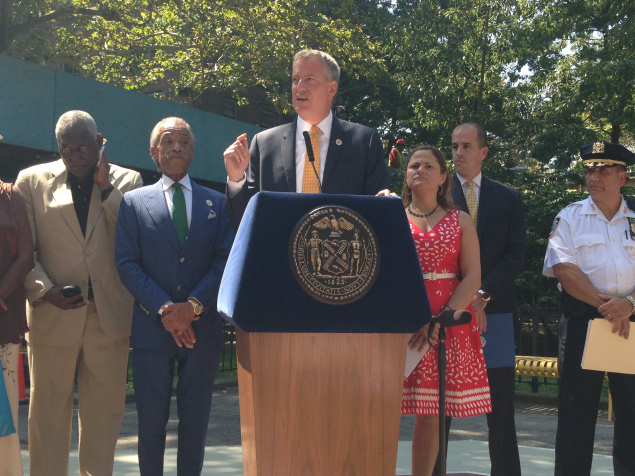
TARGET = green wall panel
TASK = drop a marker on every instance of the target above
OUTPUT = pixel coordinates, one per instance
(33, 97)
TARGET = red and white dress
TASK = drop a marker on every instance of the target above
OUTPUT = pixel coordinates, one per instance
(467, 388)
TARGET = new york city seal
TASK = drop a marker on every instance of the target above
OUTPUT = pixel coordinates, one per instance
(334, 255)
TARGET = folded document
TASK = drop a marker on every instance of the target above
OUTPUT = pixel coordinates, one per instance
(607, 351)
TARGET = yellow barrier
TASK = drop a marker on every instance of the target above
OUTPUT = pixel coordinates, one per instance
(546, 367)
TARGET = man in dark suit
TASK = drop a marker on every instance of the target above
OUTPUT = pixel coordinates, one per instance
(173, 239)
(348, 157)
(500, 224)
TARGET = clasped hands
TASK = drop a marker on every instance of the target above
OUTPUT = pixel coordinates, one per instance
(177, 319)
(617, 310)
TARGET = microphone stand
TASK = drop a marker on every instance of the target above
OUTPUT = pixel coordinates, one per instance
(447, 318)
(311, 156)
(441, 462)
(312, 160)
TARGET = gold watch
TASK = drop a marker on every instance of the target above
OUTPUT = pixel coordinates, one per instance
(198, 307)
(485, 296)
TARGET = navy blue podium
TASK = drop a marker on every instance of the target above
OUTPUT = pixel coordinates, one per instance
(320, 383)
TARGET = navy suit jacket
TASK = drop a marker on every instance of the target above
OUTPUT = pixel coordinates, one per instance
(354, 165)
(502, 237)
(155, 269)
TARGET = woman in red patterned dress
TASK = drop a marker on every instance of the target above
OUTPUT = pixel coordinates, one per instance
(448, 250)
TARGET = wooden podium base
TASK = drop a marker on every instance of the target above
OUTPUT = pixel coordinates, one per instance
(320, 404)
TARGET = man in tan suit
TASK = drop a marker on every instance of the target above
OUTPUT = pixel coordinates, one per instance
(73, 205)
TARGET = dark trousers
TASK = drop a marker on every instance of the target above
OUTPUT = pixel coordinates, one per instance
(503, 445)
(153, 371)
(578, 401)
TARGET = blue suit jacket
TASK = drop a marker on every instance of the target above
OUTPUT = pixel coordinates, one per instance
(155, 269)
(354, 164)
(502, 237)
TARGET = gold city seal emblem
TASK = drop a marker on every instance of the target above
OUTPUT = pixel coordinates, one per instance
(334, 255)
(598, 148)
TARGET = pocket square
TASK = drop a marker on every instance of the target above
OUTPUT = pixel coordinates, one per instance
(212, 214)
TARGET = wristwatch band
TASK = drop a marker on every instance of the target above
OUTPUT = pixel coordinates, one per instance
(198, 307)
(632, 300)
(485, 296)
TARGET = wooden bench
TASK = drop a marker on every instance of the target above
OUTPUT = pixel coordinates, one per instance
(546, 367)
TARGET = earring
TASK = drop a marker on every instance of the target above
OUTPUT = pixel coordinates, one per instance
(440, 191)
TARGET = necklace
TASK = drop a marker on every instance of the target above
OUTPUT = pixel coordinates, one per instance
(425, 215)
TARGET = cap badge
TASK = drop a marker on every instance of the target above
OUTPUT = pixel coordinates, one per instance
(598, 148)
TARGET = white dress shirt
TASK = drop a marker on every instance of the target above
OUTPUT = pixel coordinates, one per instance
(604, 250)
(300, 147)
(168, 192)
(477, 186)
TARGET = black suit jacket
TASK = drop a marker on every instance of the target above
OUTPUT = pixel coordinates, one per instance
(502, 237)
(354, 164)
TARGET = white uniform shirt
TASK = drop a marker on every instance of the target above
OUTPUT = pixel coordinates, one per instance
(604, 250)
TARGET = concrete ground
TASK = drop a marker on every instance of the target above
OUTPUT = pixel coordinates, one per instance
(535, 422)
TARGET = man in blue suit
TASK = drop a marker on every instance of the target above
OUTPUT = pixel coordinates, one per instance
(497, 211)
(173, 239)
(349, 157)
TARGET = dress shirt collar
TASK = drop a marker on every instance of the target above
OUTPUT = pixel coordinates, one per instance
(590, 208)
(167, 182)
(325, 126)
(477, 180)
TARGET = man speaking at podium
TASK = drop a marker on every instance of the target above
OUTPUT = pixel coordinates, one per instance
(348, 157)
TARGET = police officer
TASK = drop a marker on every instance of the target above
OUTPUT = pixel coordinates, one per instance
(591, 252)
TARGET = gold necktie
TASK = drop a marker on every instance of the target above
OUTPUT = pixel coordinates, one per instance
(309, 178)
(472, 204)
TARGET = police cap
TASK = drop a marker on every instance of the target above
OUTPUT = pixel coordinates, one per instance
(606, 154)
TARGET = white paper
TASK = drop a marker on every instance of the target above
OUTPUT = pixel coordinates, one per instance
(413, 357)
(606, 351)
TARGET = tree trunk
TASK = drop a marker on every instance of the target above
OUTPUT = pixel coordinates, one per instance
(616, 130)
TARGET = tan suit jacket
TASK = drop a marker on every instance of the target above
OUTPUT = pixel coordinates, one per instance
(63, 256)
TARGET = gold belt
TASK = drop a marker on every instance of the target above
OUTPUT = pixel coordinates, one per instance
(432, 276)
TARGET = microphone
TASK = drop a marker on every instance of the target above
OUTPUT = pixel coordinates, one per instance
(309, 153)
(449, 318)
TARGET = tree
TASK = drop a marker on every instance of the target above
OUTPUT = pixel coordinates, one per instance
(176, 48)
(581, 54)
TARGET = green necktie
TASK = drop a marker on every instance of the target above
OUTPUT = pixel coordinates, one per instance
(179, 213)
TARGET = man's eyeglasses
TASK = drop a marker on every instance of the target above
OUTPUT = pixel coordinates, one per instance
(82, 148)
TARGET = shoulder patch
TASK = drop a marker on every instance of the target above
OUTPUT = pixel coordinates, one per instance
(554, 226)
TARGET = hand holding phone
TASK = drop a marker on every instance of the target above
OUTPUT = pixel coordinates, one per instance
(70, 291)
(66, 297)
(101, 175)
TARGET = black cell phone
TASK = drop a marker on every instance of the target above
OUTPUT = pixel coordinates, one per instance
(70, 291)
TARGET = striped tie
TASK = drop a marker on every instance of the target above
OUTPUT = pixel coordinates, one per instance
(179, 213)
(472, 204)
(309, 178)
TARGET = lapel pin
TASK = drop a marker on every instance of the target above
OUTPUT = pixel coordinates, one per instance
(209, 202)
(338, 141)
